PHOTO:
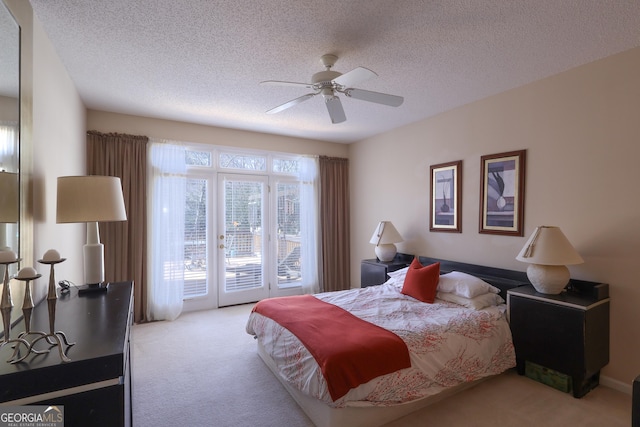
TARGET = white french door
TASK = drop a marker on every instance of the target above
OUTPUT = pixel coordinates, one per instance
(242, 238)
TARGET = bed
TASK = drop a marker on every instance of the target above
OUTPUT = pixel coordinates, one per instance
(459, 339)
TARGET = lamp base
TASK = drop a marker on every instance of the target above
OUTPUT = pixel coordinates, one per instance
(548, 279)
(94, 289)
(386, 252)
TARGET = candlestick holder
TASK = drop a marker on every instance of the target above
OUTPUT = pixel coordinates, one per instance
(26, 275)
(6, 305)
(51, 257)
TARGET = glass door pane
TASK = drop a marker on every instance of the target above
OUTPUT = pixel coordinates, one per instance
(242, 238)
(195, 242)
(288, 227)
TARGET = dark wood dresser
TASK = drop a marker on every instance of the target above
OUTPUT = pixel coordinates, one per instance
(95, 386)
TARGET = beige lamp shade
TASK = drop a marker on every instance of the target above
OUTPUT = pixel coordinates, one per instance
(549, 246)
(548, 252)
(90, 199)
(384, 237)
(385, 233)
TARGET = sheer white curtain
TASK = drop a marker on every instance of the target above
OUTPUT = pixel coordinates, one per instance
(8, 146)
(167, 187)
(310, 225)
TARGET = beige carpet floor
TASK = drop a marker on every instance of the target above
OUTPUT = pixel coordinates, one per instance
(203, 370)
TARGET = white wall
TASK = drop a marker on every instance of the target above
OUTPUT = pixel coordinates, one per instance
(581, 130)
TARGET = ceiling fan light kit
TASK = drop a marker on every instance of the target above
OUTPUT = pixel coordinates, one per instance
(328, 83)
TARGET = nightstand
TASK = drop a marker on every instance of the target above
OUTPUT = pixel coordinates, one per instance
(374, 271)
(567, 333)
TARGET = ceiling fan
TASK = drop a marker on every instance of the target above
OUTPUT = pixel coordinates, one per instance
(328, 83)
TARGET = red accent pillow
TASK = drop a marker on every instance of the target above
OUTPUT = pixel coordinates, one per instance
(421, 282)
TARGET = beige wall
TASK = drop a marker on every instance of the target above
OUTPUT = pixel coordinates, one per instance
(581, 130)
(178, 131)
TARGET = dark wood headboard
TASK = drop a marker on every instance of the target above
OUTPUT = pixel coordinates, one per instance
(498, 277)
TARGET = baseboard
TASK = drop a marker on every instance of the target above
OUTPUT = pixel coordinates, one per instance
(616, 385)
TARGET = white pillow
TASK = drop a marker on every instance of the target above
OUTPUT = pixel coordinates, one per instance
(477, 303)
(464, 285)
(396, 274)
(397, 277)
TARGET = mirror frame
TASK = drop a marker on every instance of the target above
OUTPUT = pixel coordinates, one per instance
(10, 162)
(22, 15)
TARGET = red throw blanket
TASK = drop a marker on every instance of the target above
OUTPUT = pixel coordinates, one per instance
(350, 351)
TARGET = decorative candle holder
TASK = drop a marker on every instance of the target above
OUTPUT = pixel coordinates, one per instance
(51, 257)
(6, 304)
(26, 275)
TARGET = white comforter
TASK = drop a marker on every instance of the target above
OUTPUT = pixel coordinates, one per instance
(448, 345)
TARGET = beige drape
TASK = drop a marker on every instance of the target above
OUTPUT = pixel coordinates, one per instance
(125, 250)
(334, 223)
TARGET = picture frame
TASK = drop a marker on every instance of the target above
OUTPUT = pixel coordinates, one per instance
(502, 186)
(445, 213)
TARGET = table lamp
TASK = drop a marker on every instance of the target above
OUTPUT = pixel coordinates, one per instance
(384, 237)
(91, 199)
(548, 252)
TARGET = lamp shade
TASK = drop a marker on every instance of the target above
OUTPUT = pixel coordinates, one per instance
(549, 246)
(548, 253)
(90, 199)
(385, 233)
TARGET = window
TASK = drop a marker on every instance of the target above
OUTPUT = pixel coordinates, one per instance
(259, 231)
(198, 158)
(243, 161)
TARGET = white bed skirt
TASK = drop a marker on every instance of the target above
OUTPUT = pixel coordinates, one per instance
(324, 415)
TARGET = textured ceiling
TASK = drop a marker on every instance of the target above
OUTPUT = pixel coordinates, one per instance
(201, 61)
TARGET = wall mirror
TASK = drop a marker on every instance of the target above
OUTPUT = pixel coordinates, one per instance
(10, 142)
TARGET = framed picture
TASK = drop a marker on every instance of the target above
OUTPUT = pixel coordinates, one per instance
(502, 193)
(446, 197)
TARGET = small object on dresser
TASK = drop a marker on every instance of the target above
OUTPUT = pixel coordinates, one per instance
(6, 303)
(27, 274)
(52, 257)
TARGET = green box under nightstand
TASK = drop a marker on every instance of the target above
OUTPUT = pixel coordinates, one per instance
(547, 376)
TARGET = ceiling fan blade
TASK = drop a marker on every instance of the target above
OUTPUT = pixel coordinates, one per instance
(334, 107)
(355, 76)
(377, 97)
(291, 103)
(278, 83)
